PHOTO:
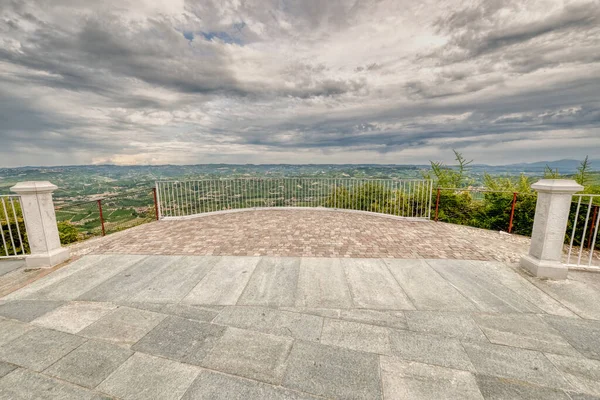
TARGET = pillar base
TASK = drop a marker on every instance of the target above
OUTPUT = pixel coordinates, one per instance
(544, 269)
(49, 259)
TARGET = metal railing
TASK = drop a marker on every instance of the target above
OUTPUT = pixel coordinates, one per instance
(12, 228)
(584, 232)
(402, 198)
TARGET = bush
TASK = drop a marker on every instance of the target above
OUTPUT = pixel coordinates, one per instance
(67, 232)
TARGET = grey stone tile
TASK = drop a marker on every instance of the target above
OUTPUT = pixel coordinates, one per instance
(213, 385)
(512, 363)
(154, 307)
(181, 340)
(356, 336)
(580, 297)
(451, 324)
(56, 276)
(413, 380)
(516, 280)
(488, 294)
(27, 385)
(9, 265)
(123, 326)
(144, 377)
(89, 364)
(273, 283)
(372, 286)
(426, 288)
(224, 283)
(391, 319)
(190, 312)
(128, 282)
(494, 388)
(333, 372)
(80, 282)
(27, 310)
(527, 331)
(584, 374)
(322, 312)
(582, 334)
(74, 316)
(174, 282)
(582, 396)
(322, 284)
(437, 350)
(39, 348)
(250, 354)
(10, 330)
(6, 368)
(275, 322)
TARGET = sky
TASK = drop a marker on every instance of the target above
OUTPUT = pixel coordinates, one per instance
(305, 81)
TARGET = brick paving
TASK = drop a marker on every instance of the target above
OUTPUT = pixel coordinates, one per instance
(310, 233)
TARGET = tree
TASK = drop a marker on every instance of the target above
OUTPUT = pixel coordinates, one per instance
(583, 171)
(447, 176)
(67, 232)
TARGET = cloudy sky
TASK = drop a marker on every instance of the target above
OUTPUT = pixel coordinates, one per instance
(297, 81)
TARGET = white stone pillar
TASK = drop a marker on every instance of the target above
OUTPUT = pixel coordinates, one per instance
(40, 221)
(549, 228)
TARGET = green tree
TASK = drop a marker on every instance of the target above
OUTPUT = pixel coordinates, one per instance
(67, 232)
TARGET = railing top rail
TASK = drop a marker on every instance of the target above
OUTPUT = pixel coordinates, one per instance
(481, 190)
(291, 177)
(586, 195)
(10, 195)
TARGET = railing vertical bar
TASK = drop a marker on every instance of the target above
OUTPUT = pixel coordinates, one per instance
(587, 217)
(3, 240)
(430, 199)
(12, 241)
(593, 246)
(17, 224)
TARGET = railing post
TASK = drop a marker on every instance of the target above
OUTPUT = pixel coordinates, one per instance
(40, 221)
(101, 216)
(155, 203)
(590, 241)
(437, 204)
(549, 227)
(512, 212)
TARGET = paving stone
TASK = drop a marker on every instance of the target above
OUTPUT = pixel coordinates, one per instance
(27, 310)
(213, 385)
(413, 380)
(580, 297)
(451, 324)
(74, 316)
(154, 307)
(494, 388)
(582, 334)
(190, 312)
(512, 363)
(68, 270)
(527, 331)
(356, 336)
(23, 384)
(488, 294)
(10, 330)
(322, 312)
(144, 377)
(273, 283)
(372, 286)
(84, 280)
(89, 364)
(39, 348)
(250, 354)
(9, 265)
(322, 284)
(128, 282)
(391, 319)
(6, 368)
(333, 372)
(224, 283)
(123, 326)
(426, 288)
(181, 340)
(584, 374)
(582, 396)
(275, 322)
(430, 349)
(517, 282)
(174, 282)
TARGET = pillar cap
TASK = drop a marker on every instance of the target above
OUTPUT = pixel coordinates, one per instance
(33, 187)
(557, 186)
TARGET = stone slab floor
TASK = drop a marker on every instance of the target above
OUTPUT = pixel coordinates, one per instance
(220, 327)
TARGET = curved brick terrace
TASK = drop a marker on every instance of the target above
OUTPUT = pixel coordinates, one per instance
(309, 233)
